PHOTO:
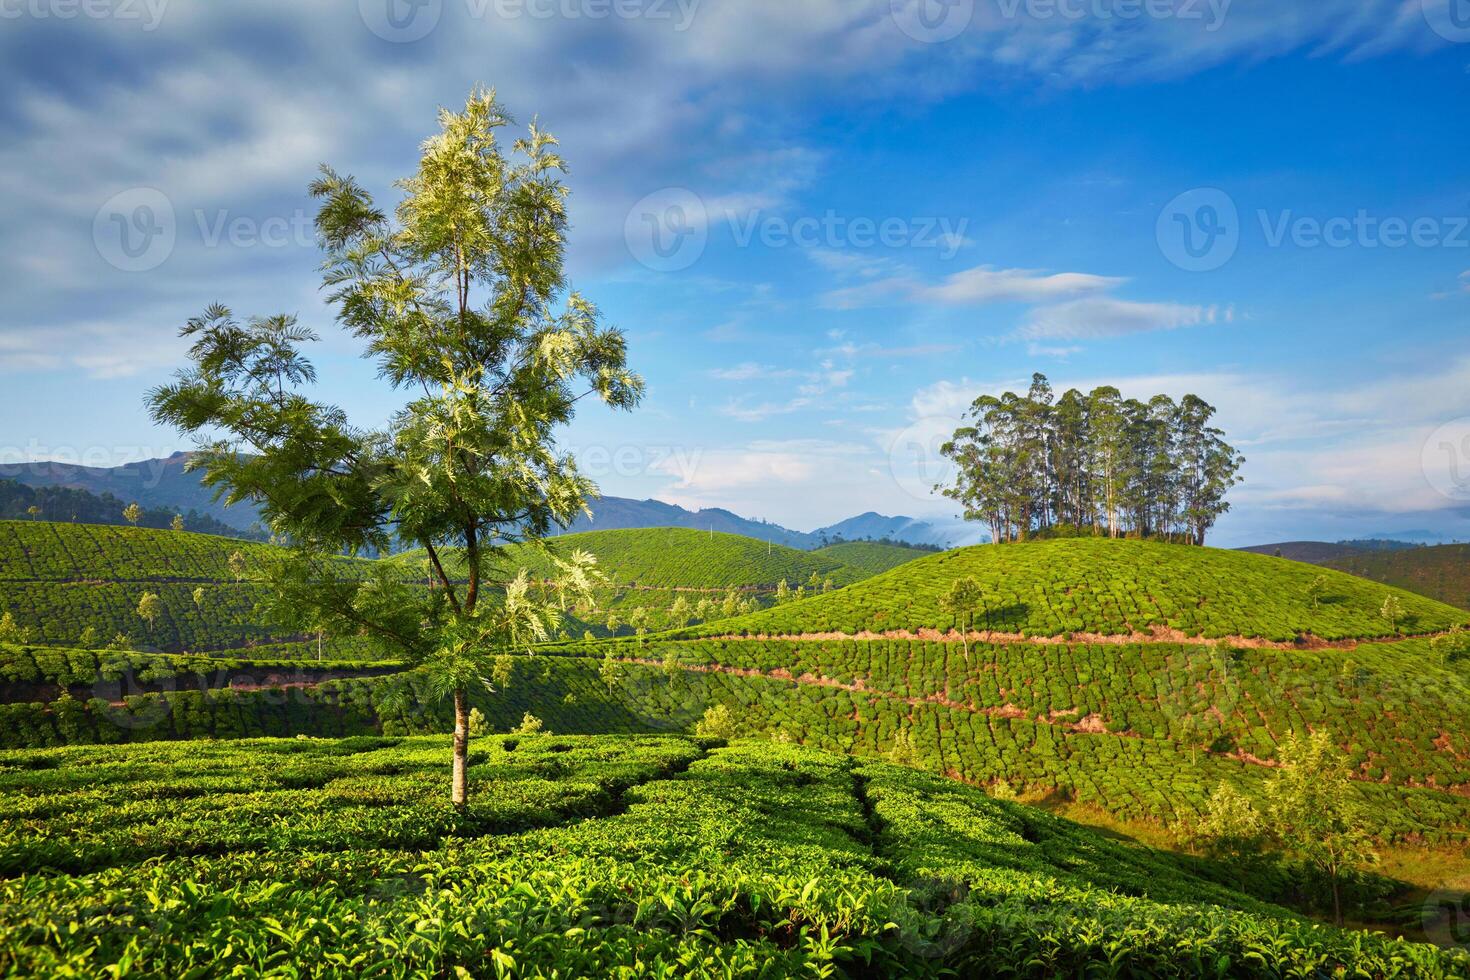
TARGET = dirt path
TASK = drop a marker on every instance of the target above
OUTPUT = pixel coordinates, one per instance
(1157, 634)
(1065, 720)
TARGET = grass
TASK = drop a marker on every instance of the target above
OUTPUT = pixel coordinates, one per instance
(652, 856)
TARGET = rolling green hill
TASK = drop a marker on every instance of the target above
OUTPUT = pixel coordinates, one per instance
(653, 856)
(1441, 572)
(1097, 586)
(677, 557)
(665, 577)
(871, 557)
(57, 580)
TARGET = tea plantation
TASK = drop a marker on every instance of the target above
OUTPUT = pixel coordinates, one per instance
(603, 856)
(1094, 585)
(871, 557)
(1441, 572)
(57, 580)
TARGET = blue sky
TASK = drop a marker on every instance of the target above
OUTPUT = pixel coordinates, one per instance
(868, 212)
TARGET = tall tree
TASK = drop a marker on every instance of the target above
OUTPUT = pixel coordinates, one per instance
(1035, 464)
(460, 299)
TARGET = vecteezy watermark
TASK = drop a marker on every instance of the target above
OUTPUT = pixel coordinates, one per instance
(668, 230)
(932, 21)
(1450, 19)
(1201, 229)
(1446, 459)
(1446, 918)
(914, 458)
(137, 230)
(149, 13)
(937, 21)
(627, 461)
(40, 460)
(405, 21)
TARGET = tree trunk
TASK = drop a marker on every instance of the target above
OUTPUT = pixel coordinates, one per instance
(1336, 901)
(461, 789)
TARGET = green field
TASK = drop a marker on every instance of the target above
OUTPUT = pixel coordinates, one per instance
(651, 856)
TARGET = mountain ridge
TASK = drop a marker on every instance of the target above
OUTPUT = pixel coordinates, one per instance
(164, 482)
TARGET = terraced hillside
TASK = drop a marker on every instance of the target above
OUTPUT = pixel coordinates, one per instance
(1097, 586)
(1441, 572)
(57, 580)
(871, 557)
(665, 577)
(678, 557)
(653, 856)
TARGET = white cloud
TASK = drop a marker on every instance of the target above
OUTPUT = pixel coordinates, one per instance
(1102, 317)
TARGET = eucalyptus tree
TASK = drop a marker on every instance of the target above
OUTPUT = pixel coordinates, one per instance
(459, 298)
(1091, 464)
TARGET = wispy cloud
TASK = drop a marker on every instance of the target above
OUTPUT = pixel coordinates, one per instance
(1102, 317)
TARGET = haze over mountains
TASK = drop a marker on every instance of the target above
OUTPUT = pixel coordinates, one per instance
(164, 483)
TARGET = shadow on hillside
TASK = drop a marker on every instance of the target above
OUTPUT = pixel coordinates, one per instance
(1004, 619)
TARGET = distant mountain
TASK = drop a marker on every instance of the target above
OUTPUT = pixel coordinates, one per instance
(70, 505)
(613, 513)
(1441, 571)
(162, 483)
(619, 512)
(152, 483)
(878, 527)
(1319, 552)
(1308, 551)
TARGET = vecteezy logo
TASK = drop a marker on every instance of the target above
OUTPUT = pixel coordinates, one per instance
(1446, 918)
(914, 458)
(135, 231)
(1450, 19)
(1199, 230)
(933, 21)
(1446, 459)
(667, 230)
(400, 21)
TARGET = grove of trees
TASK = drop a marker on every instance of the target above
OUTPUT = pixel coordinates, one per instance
(1096, 463)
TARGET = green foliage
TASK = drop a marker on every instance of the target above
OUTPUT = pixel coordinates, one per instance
(610, 856)
(1315, 811)
(716, 723)
(1091, 464)
(530, 725)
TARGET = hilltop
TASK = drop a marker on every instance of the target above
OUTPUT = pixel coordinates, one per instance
(1439, 571)
(599, 857)
(872, 557)
(674, 557)
(58, 580)
(1101, 586)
